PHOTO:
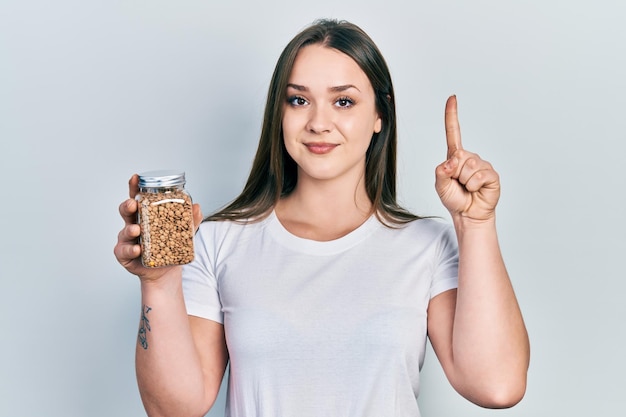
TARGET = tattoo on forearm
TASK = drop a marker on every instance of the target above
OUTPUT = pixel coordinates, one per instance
(144, 326)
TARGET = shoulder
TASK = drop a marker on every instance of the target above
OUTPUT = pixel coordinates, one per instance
(432, 235)
(217, 227)
(427, 228)
(219, 231)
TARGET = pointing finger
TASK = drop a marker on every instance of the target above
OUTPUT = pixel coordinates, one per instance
(453, 131)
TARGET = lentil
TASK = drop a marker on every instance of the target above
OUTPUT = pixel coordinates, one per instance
(166, 222)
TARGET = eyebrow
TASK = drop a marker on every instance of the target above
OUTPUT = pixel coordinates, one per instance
(335, 89)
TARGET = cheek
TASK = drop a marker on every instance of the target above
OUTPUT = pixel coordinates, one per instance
(289, 125)
(289, 136)
(357, 129)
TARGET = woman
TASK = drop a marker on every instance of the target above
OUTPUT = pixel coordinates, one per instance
(314, 283)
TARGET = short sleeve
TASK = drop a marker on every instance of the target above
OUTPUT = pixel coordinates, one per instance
(200, 284)
(446, 268)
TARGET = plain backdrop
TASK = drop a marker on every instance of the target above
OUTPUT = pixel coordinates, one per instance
(94, 91)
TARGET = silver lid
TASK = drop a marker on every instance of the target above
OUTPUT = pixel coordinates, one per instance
(161, 178)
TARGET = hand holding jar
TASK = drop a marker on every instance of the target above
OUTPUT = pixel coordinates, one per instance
(160, 221)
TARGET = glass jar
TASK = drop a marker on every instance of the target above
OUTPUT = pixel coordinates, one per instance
(166, 219)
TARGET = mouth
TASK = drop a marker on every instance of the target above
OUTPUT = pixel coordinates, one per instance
(320, 148)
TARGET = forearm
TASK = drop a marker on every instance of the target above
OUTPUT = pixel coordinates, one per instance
(490, 343)
(168, 368)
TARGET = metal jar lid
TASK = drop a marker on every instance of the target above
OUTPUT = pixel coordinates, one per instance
(161, 178)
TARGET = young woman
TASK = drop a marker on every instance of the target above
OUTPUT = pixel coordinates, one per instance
(314, 284)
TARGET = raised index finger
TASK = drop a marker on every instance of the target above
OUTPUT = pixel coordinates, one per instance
(453, 131)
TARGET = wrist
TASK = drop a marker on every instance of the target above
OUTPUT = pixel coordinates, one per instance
(169, 281)
(464, 224)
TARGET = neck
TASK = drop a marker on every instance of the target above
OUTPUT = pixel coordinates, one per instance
(325, 210)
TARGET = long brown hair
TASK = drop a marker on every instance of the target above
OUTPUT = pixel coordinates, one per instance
(274, 172)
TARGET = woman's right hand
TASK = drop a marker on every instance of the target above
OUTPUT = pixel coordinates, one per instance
(127, 250)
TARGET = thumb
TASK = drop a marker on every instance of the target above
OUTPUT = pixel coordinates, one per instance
(197, 216)
(444, 175)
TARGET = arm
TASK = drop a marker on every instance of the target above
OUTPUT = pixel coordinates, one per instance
(181, 364)
(180, 360)
(477, 331)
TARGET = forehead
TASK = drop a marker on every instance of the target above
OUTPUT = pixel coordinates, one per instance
(317, 64)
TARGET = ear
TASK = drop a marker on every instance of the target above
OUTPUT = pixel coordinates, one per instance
(378, 124)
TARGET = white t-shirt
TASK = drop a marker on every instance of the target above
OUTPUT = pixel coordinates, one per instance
(318, 329)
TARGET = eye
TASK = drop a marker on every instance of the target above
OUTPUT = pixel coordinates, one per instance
(297, 101)
(344, 102)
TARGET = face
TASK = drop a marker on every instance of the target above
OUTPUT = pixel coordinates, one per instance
(329, 115)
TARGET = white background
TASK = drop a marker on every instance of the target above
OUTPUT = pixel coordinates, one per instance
(93, 91)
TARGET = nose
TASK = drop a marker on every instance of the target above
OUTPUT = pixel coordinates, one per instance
(320, 120)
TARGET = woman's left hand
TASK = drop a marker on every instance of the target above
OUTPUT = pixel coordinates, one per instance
(468, 186)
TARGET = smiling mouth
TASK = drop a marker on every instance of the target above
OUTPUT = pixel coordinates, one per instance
(320, 148)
